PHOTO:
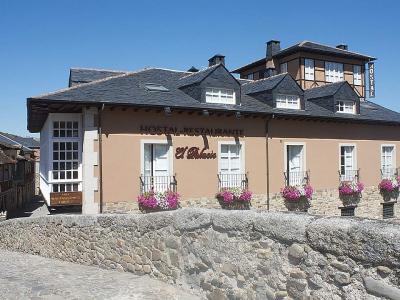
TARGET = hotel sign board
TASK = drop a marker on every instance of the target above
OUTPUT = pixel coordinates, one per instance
(65, 198)
(371, 79)
(189, 131)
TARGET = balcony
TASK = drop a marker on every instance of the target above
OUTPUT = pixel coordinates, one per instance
(226, 181)
(349, 176)
(296, 178)
(389, 173)
(158, 184)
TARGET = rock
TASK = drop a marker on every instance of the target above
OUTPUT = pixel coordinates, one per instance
(342, 278)
(146, 269)
(383, 271)
(280, 295)
(172, 243)
(298, 274)
(381, 289)
(217, 294)
(341, 266)
(127, 258)
(296, 251)
(156, 254)
(264, 253)
(229, 269)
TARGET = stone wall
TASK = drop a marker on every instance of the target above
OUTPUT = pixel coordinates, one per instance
(324, 202)
(227, 254)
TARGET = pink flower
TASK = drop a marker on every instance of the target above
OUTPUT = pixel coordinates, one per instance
(166, 200)
(226, 195)
(172, 199)
(388, 185)
(295, 193)
(148, 200)
(347, 188)
(246, 196)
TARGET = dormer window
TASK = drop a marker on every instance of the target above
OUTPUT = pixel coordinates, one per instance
(345, 107)
(220, 96)
(288, 101)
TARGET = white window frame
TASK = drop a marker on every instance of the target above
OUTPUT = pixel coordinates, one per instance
(345, 104)
(354, 156)
(283, 67)
(162, 142)
(334, 71)
(309, 69)
(220, 92)
(286, 104)
(242, 154)
(357, 78)
(60, 117)
(394, 164)
(304, 155)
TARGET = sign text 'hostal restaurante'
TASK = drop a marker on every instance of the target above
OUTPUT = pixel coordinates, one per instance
(297, 117)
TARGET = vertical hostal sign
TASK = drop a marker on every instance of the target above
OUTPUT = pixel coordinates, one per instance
(371, 79)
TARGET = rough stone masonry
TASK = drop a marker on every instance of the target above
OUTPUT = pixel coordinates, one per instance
(227, 254)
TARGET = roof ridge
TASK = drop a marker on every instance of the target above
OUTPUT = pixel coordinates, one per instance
(327, 85)
(172, 70)
(206, 69)
(263, 79)
(97, 69)
(13, 141)
(89, 83)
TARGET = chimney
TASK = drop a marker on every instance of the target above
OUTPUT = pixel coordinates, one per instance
(216, 59)
(342, 46)
(273, 47)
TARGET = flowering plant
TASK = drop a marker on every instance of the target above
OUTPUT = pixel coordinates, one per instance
(389, 188)
(152, 200)
(350, 188)
(296, 193)
(235, 197)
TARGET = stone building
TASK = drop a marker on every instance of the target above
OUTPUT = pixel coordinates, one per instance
(17, 180)
(113, 135)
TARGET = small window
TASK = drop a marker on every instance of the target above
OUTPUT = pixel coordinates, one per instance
(288, 101)
(346, 107)
(250, 76)
(261, 74)
(284, 68)
(357, 75)
(221, 96)
(155, 87)
(333, 72)
(309, 69)
(387, 162)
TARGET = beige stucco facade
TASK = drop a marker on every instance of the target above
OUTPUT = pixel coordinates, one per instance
(197, 178)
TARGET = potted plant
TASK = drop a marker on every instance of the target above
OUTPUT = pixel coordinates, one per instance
(235, 198)
(350, 193)
(297, 197)
(389, 188)
(152, 201)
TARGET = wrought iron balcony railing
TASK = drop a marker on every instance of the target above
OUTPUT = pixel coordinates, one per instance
(389, 173)
(349, 175)
(158, 184)
(232, 181)
(296, 178)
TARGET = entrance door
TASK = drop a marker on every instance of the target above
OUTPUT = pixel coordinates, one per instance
(156, 167)
(295, 164)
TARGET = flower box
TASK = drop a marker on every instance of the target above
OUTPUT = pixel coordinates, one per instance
(350, 192)
(297, 198)
(389, 188)
(152, 201)
(235, 198)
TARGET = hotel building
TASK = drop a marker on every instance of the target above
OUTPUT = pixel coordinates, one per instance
(298, 115)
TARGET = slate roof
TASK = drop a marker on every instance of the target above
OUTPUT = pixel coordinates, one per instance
(323, 91)
(265, 84)
(196, 77)
(28, 142)
(308, 46)
(129, 89)
(82, 75)
(12, 144)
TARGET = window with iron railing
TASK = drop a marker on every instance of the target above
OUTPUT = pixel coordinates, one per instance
(158, 184)
(296, 178)
(226, 181)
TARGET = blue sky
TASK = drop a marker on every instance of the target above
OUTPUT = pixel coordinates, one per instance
(40, 40)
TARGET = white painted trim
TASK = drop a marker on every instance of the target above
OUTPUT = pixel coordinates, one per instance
(355, 154)
(304, 160)
(158, 141)
(242, 154)
(394, 154)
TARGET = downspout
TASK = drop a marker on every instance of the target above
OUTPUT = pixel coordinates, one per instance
(100, 126)
(267, 155)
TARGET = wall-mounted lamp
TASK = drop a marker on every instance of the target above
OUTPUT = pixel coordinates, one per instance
(206, 113)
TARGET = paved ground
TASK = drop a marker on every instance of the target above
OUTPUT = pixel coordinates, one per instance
(24, 276)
